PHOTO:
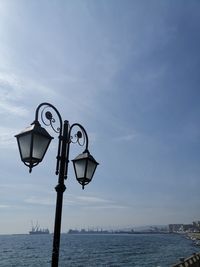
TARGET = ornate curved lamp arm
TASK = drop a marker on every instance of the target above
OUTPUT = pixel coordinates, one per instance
(79, 135)
(49, 116)
(48, 120)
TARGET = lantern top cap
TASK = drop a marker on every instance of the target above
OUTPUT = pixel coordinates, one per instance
(85, 155)
(36, 128)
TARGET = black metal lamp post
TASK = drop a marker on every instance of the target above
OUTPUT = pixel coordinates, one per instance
(33, 143)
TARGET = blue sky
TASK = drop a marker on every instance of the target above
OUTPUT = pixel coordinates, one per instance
(128, 71)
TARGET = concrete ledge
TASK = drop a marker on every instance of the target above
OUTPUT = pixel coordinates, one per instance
(193, 261)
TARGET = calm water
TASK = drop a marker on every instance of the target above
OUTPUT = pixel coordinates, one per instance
(139, 250)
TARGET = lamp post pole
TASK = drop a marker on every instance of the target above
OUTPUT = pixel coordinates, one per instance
(60, 189)
(33, 143)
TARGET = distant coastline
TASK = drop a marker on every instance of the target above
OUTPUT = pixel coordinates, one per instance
(193, 228)
(106, 232)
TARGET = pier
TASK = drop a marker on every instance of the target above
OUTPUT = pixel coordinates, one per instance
(193, 261)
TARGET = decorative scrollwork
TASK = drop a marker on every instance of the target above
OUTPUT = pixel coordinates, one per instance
(48, 119)
(78, 137)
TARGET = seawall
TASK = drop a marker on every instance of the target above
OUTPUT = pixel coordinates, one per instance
(193, 261)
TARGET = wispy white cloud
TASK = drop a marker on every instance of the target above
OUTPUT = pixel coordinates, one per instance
(94, 200)
(47, 201)
(14, 90)
(7, 136)
(73, 200)
(10, 93)
(91, 202)
(127, 137)
(112, 206)
(6, 107)
(2, 206)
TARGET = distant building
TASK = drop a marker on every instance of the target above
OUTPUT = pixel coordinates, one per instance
(175, 228)
(194, 227)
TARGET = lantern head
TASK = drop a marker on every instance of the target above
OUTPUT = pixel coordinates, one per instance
(33, 143)
(84, 167)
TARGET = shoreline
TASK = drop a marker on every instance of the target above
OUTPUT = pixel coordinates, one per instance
(194, 236)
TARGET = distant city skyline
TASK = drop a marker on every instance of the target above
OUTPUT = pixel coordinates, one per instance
(128, 71)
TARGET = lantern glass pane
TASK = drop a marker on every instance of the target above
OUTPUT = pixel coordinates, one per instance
(90, 169)
(40, 144)
(25, 145)
(80, 168)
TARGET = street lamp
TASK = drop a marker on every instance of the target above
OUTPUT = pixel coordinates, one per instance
(33, 143)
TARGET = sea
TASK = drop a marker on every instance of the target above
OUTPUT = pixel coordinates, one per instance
(84, 250)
